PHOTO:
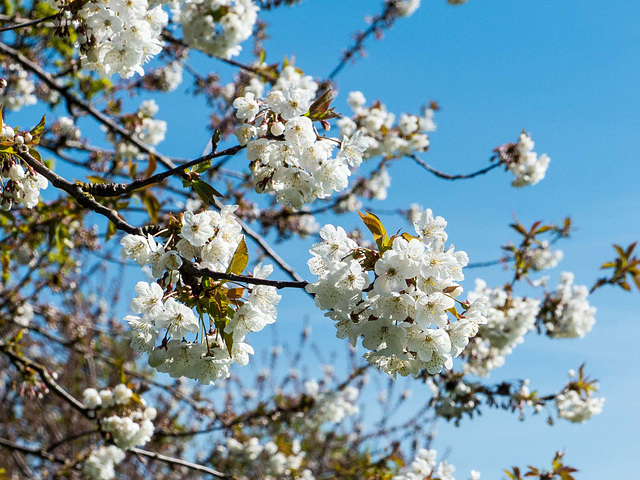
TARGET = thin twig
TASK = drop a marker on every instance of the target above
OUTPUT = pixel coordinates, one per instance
(75, 190)
(448, 176)
(38, 452)
(117, 189)
(379, 20)
(190, 269)
(178, 461)
(28, 23)
(47, 378)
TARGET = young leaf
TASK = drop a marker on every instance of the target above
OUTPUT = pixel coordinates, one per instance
(153, 206)
(38, 129)
(240, 259)
(205, 191)
(375, 226)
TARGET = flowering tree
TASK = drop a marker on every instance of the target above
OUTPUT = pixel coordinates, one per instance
(161, 393)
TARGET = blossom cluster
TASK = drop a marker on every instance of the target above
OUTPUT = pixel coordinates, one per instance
(143, 127)
(19, 183)
(101, 463)
(127, 421)
(454, 401)
(65, 128)
(331, 406)
(266, 460)
(18, 90)
(217, 27)
(509, 319)
(542, 257)
(405, 8)
(119, 36)
(424, 466)
(577, 402)
(285, 454)
(24, 314)
(166, 78)
(384, 135)
(403, 314)
(287, 155)
(526, 166)
(210, 240)
(568, 312)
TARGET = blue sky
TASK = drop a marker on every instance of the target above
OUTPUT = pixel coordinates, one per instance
(565, 71)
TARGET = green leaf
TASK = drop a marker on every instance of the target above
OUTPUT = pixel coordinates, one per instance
(319, 109)
(111, 231)
(240, 259)
(35, 154)
(375, 226)
(38, 129)
(151, 166)
(205, 191)
(59, 238)
(202, 167)
(153, 206)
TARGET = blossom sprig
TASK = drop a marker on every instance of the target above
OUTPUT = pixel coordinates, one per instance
(519, 158)
(17, 89)
(201, 346)
(143, 126)
(558, 471)
(288, 157)
(400, 298)
(126, 422)
(534, 253)
(509, 319)
(384, 134)
(218, 27)
(19, 183)
(566, 311)
(426, 467)
(118, 37)
(577, 403)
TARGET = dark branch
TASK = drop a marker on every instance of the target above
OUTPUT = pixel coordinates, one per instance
(117, 189)
(75, 190)
(28, 23)
(178, 461)
(191, 270)
(448, 176)
(38, 452)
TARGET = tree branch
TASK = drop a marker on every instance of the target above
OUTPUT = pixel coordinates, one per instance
(38, 452)
(47, 378)
(73, 99)
(378, 21)
(190, 269)
(117, 189)
(448, 176)
(178, 461)
(75, 190)
(28, 23)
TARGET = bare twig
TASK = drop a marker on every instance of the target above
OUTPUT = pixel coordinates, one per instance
(385, 17)
(38, 452)
(117, 189)
(75, 190)
(190, 269)
(47, 378)
(28, 23)
(178, 461)
(448, 176)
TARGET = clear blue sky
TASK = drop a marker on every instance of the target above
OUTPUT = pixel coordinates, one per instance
(566, 71)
